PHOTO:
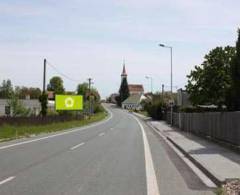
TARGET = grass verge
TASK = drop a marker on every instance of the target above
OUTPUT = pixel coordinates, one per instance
(9, 132)
(143, 113)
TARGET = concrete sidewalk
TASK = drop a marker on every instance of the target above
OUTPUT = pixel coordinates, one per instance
(217, 162)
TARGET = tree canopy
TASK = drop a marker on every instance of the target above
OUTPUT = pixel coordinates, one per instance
(234, 93)
(56, 85)
(210, 82)
(6, 89)
(83, 89)
(22, 92)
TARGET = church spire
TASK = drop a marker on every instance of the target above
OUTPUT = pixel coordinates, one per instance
(124, 72)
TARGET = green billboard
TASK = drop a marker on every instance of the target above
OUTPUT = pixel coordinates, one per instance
(68, 102)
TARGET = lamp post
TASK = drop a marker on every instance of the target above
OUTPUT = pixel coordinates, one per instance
(171, 103)
(151, 79)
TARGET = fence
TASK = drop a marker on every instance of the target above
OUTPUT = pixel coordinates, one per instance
(37, 120)
(223, 126)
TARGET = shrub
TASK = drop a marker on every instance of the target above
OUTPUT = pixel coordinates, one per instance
(155, 109)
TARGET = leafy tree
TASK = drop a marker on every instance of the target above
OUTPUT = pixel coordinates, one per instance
(6, 89)
(44, 101)
(94, 95)
(82, 89)
(22, 92)
(210, 82)
(17, 108)
(123, 92)
(234, 92)
(56, 85)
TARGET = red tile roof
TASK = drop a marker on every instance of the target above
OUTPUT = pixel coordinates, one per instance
(51, 95)
(135, 88)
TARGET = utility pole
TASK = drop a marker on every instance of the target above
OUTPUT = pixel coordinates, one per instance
(171, 75)
(162, 90)
(89, 91)
(44, 75)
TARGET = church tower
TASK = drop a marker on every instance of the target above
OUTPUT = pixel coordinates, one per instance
(124, 73)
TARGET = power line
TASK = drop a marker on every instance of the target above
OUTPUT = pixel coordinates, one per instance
(62, 74)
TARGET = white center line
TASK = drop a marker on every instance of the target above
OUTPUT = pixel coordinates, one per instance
(152, 185)
(77, 146)
(101, 134)
(6, 180)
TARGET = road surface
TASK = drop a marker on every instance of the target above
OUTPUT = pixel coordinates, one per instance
(118, 156)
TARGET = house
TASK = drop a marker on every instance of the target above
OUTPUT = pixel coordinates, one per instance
(136, 92)
(183, 98)
(32, 104)
(133, 102)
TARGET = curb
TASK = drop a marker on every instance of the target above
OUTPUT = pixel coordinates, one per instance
(197, 164)
(193, 160)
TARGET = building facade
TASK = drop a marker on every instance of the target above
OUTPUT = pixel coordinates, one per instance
(136, 92)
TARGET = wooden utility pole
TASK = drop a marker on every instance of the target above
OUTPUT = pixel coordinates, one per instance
(89, 91)
(44, 75)
(162, 90)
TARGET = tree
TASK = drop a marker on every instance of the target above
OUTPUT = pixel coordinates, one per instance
(22, 92)
(44, 101)
(17, 108)
(6, 89)
(123, 92)
(82, 89)
(234, 92)
(210, 82)
(56, 85)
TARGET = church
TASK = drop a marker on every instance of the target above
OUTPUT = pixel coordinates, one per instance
(136, 92)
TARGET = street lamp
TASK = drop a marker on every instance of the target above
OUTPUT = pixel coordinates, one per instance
(169, 47)
(151, 79)
(171, 104)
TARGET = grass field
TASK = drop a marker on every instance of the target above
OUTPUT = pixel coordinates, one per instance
(9, 132)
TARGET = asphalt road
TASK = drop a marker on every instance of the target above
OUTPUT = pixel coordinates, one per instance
(119, 156)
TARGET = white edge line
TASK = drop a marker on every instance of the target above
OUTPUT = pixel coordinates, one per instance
(208, 182)
(152, 185)
(59, 134)
(7, 180)
(77, 146)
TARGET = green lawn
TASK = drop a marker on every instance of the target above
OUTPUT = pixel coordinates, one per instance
(9, 132)
(143, 113)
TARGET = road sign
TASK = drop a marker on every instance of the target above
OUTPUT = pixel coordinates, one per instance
(68, 102)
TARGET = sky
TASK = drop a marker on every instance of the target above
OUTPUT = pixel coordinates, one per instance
(91, 38)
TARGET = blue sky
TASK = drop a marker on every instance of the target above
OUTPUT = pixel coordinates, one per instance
(91, 38)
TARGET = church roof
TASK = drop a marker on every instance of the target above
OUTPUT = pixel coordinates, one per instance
(135, 88)
(133, 99)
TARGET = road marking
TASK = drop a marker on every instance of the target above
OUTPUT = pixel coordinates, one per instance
(208, 182)
(59, 134)
(6, 180)
(77, 146)
(101, 134)
(152, 185)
